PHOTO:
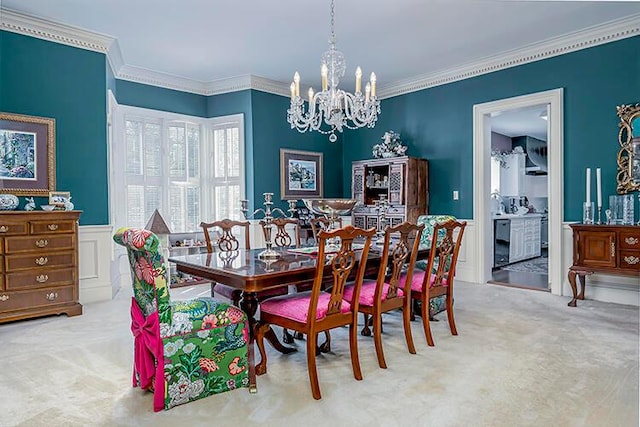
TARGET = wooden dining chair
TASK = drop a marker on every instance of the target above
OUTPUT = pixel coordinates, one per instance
(437, 279)
(323, 223)
(227, 240)
(391, 290)
(283, 239)
(317, 310)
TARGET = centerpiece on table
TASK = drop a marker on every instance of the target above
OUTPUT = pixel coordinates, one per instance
(391, 146)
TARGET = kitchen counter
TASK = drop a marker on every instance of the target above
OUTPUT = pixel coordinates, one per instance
(512, 216)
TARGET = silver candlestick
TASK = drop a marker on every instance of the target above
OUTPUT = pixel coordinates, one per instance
(268, 213)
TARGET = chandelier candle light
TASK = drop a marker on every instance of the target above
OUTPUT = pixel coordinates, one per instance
(268, 219)
(333, 109)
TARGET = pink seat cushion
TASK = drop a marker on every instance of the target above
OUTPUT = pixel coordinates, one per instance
(368, 292)
(296, 306)
(418, 278)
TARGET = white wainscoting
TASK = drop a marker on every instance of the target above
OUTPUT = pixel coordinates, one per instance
(600, 287)
(104, 267)
(95, 252)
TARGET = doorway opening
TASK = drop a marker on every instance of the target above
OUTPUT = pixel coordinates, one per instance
(516, 207)
(519, 197)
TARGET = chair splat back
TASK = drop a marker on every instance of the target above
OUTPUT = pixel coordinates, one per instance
(227, 240)
(405, 247)
(322, 223)
(341, 265)
(282, 238)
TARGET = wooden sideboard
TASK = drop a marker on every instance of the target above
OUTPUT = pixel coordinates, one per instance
(39, 268)
(608, 249)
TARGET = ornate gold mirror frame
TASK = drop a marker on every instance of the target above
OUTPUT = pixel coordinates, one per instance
(629, 154)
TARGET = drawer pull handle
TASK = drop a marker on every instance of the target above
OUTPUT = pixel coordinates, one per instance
(51, 296)
(3, 228)
(42, 278)
(42, 243)
(632, 260)
(53, 227)
(631, 240)
(42, 260)
(4, 297)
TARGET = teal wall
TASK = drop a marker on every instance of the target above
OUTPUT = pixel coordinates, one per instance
(46, 79)
(437, 123)
(157, 98)
(271, 131)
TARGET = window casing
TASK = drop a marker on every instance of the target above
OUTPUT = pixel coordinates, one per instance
(191, 169)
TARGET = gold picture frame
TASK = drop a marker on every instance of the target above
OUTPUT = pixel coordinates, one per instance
(59, 198)
(27, 154)
(628, 160)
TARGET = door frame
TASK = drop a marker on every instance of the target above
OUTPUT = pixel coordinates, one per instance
(482, 178)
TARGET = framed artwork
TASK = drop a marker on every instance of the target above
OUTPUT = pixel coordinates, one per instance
(59, 198)
(300, 174)
(27, 155)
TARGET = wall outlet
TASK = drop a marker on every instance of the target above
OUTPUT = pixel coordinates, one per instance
(456, 195)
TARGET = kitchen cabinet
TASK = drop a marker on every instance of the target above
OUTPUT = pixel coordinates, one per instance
(39, 264)
(525, 238)
(512, 175)
(609, 249)
(402, 181)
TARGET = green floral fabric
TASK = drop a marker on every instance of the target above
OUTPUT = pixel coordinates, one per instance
(205, 341)
(437, 304)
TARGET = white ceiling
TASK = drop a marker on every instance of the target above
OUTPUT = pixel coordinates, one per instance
(206, 40)
(521, 122)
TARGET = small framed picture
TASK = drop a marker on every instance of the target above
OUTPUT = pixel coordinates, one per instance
(59, 198)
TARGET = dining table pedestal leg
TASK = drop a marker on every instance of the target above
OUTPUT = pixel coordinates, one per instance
(249, 304)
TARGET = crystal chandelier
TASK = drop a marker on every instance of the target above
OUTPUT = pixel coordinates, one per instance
(332, 109)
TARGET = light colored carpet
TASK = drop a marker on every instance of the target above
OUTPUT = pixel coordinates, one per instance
(522, 358)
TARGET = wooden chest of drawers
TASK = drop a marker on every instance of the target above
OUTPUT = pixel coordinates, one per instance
(608, 249)
(38, 264)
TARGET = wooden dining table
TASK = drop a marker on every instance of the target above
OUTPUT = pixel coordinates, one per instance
(244, 270)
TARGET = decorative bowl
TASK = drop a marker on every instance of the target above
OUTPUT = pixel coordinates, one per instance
(8, 202)
(330, 207)
(48, 207)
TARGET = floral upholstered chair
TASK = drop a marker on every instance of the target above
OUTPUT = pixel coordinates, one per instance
(436, 281)
(437, 304)
(183, 350)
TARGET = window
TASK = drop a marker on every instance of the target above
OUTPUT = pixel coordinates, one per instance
(189, 168)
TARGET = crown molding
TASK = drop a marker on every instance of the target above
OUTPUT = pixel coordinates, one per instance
(16, 22)
(155, 78)
(20, 23)
(589, 37)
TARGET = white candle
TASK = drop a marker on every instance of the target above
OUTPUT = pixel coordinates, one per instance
(296, 80)
(373, 84)
(598, 189)
(588, 185)
(310, 96)
(358, 80)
